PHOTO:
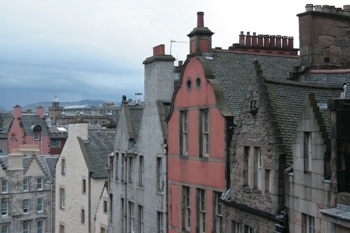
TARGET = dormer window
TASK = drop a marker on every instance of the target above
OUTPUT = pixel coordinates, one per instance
(36, 129)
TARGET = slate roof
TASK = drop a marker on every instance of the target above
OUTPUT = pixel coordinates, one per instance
(49, 163)
(233, 71)
(136, 115)
(287, 100)
(28, 121)
(97, 148)
(328, 78)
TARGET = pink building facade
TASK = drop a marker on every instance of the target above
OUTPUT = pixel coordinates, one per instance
(28, 128)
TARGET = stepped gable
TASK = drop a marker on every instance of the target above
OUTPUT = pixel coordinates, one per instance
(286, 99)
(27, 121)
(96, 150)
(27, 162)
(234, 69)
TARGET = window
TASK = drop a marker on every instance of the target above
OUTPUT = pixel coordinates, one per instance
(4, 207)
(82, 216)
(141, 171)
(25, 206)
(201, 210)
(183, 132)
(61, 229)
(40, 204)
(103, 230)
(26, 227)
(40, 226)
(186, 199)
(141, 218)
(307, 151)
(62, 198)
(116, 166)
(248, 229)
(218, 208)
(104, 206)
(236, 227)
(54, 143)
(122, 167)
(160, 227)
(37, 136)
(40, 183)
(25, 184)
(257, 168)
(63, 167)
(204, 133)
(4, 187)
(160, 182)
(5, 228)
(131, 169)
(123, 215)
(309, 224)
(268, 181)
(111, 207)
(132, 217)
(83, 186)
(252, 168)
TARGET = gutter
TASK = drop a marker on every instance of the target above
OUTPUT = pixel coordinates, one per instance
(258, 213)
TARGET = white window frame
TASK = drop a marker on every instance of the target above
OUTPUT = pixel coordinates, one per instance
(205, 132)
(184, 132)
(63, 167)
(310, 224)
(40, 226)
(62, 198)
(307, 152)
(160, 224)
(40, 205)
(5, 228)
(26, 226)
(4, 186)
(131, 170)
(187, 208)
(141, 223)
(160, 181)
(4, 207)
(40, 183)
(258, 168)
(132, 216)
(141, 171)
(25, 206)
(219, 215)
(202, 207)
(25, 184)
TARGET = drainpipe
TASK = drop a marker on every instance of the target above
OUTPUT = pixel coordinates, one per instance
(165, 188)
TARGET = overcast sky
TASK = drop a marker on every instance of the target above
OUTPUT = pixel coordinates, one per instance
(94, 49)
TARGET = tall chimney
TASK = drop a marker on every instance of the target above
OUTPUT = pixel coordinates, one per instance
(17, 111)
(241, 38)
(200, 19)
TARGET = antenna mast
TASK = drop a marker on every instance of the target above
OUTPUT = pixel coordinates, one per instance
(175, 41)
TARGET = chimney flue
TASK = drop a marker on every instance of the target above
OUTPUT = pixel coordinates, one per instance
(200, 19)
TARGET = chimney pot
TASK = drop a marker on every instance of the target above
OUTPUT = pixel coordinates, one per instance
(272, 41)
(309, 7)
(248, 33)
(278, 41)
(248, 39)
(290, 42)
(326, 9)
(200, 19)
(317, 8)
(180, 63)
(346, 7)
(260, 40)
(266, 41)
(284, 42)
(254, 39)
(241, 38)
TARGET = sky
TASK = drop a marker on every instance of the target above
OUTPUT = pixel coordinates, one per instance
(94, 49)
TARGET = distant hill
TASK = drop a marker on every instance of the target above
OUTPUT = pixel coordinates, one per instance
(47, 104)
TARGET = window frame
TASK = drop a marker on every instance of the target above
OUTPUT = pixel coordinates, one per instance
(201, 210)
(40, 227)
(141, 171)
(26, 226)
(25, 184)
(204, 133)
(25, 206)
(186, 215)
(307, 151)
(5, 228)
(160, 222)
(4, 207)
(218, 212)
(4, 186)
(62, 199)
(40, 184)
(184, 132)
(40, 206)
(63, 167)
(141, 221)
(160, 181)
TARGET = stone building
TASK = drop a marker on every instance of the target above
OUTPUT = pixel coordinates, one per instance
(213, 86)
(138, 178)
(81, 175)
(27, 191)
(28, 128)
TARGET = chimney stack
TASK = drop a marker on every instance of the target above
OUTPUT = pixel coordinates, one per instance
(200, 19)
